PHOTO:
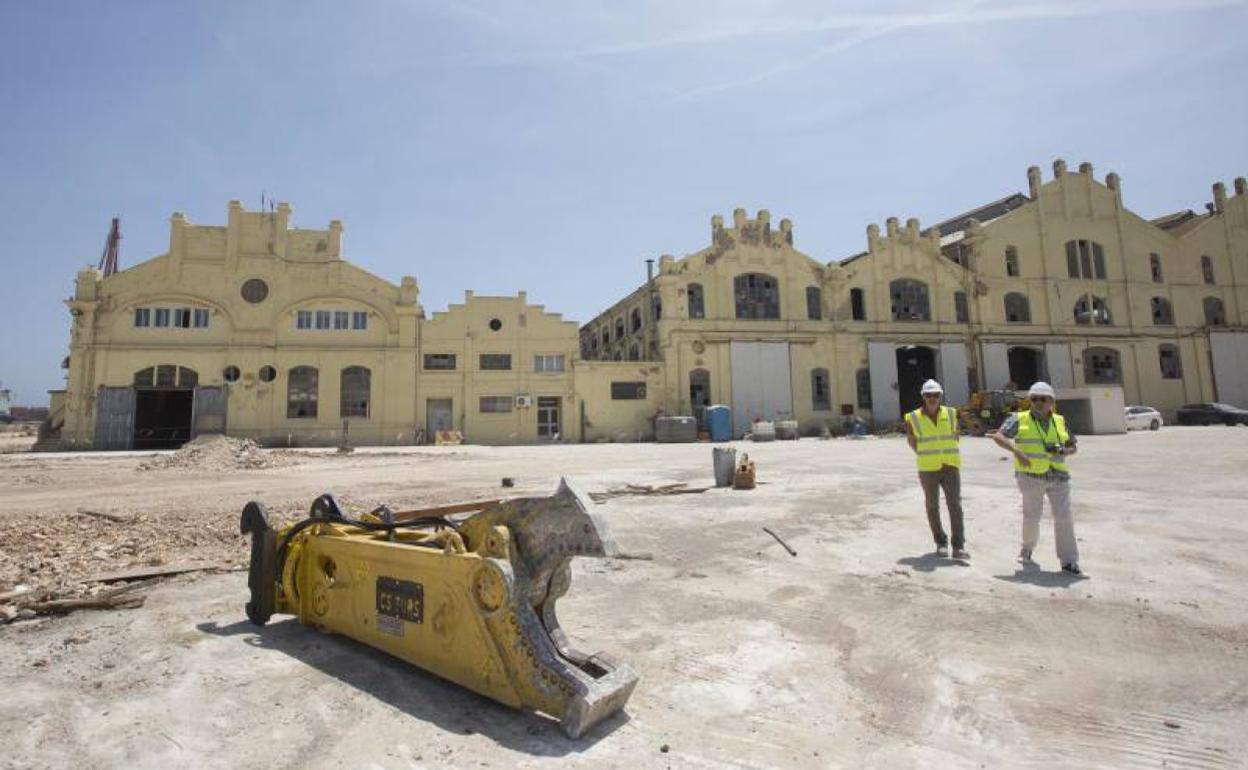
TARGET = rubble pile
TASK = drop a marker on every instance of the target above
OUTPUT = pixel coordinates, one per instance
(218, 453)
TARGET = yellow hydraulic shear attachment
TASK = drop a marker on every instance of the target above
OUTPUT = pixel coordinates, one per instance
(472, 601)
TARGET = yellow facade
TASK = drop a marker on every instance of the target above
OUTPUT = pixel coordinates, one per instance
(1062, 283)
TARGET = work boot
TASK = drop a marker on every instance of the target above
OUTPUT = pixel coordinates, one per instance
(1072, 568)
(961, 553)
(942, 551)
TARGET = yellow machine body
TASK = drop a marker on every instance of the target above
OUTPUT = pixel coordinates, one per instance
(471, 601)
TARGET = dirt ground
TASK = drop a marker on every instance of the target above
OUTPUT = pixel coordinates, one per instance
(862, 650)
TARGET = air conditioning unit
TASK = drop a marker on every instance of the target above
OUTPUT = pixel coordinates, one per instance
(524, 402)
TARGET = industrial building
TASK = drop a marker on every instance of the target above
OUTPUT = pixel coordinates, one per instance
(261, 330)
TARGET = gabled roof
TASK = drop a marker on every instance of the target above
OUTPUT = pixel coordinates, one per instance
(984, 214)
(1180, 222)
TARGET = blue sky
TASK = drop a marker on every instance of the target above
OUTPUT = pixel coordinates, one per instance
(552, 147)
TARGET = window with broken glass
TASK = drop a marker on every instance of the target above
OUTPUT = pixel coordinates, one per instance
(696, 307)
(1168, 358)
(909, 300)
(495, 361)
(301, 392)
(355, 392)
(1085, 259)
(757, 296)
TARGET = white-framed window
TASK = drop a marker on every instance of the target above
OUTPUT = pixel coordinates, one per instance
(548, 363)
(182, 317)
(201, 318)
(322, 319)
(359, 320)
(496, 404)
(142, 316)
(341, 318)
(331, 320)
(162, 316)
(303, 319)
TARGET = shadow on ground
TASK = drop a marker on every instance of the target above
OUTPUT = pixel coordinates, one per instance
(415, 692)
(928, 562)
(1031, 574)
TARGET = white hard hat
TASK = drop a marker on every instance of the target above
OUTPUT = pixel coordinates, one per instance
(931, 386)
(1042, 389)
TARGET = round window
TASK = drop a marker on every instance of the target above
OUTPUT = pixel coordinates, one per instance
(231, 374)
(495, 324)
(267, 374)
(255, 290)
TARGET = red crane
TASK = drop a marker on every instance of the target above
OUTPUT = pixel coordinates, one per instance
(108, 260)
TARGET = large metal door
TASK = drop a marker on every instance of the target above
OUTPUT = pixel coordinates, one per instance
(438, 416)
(997, 366)
(882, 359)
(762, 386)
(114, 418)
(953, 373)
(208, 411)
(1057, 361)
(1229, 350)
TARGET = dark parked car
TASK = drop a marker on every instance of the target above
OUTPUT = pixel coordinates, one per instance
(1212, 413)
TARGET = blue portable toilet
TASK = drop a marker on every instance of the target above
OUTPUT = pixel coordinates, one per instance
(719, 422)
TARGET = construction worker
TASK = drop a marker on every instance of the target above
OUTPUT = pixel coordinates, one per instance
(932, 432)
(1040, 442)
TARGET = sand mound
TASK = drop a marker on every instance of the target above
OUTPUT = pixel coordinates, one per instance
(217, 453)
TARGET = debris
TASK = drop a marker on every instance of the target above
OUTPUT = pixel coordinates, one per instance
(113, 600)
(781, 542)
(1173, 725)
(643, 556)
(744, 476)
(665, 748)
(147, 573)
(508, 481)
(678, 488)
(217, 453)
(8, 613)
(107, 516)
(16, 592)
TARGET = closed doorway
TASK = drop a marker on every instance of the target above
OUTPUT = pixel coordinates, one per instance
(438, 416)
(761, 384)
(548, 414)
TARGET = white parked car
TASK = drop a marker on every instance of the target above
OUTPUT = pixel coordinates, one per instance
(1143, 417)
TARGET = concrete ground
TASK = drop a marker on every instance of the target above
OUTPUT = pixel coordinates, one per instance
(862, 650)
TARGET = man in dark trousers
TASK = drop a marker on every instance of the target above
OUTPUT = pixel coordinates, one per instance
(932, 432)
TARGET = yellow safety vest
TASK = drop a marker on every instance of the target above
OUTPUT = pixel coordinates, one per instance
(1032, 440)
(937, 443)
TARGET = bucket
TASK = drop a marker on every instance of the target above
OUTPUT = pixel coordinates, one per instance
(725, 461)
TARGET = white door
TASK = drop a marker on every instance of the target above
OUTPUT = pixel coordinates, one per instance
(953, 373)
(996, 365)
(882, 360)
(762, 387)
(1057, 361)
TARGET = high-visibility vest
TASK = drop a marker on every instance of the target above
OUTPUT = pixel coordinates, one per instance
(937, 443)
(1031, 440)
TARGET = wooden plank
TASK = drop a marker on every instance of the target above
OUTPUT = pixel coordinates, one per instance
(444, 510)
(147, 573)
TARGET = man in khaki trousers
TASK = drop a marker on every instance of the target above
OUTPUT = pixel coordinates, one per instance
(1040, 443)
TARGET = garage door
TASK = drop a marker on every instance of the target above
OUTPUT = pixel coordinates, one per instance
(761, 384)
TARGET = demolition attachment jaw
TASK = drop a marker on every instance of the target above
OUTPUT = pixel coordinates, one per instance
(472, 601)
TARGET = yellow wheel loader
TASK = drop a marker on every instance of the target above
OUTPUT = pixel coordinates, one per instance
(471, 600)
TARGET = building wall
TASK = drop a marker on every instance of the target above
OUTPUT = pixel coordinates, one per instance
(609, 418)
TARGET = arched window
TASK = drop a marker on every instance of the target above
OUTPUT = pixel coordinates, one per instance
(301, 392)
(1168, 358)
(1101, 366)
(960, 312)
(166, 376)
(909, 300)
(145, 378)
(1214, 314)
(1154, 267)
(1206, 268)
(634, 352)
(1085, 259)
(1017, 308)
(863, 380)
(1092, 309)
(757, 296)
(857, 305)
(820, 391)
(656, 307)
(1011, 261)
(619, 329)
(635, 320)
(697, 308)
(355, 392)
(1163, 314)
(619, 355)
(814, 303)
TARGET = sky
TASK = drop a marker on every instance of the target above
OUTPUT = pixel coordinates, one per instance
(553, 147)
